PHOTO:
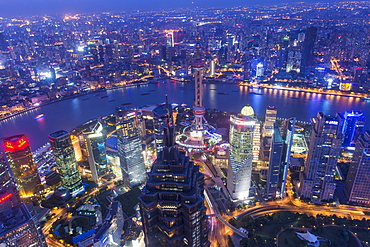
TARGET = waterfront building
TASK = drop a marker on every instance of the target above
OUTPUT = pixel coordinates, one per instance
(241, 153)
(96, 153)
(130, 151)
(65, 159)
(317, 181)
(18, 229)
(23, 167)
(354, 122)
(357, 188)
(270, 119)
(172, 202)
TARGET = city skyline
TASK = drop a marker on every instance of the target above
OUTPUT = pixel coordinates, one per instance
(28, 8)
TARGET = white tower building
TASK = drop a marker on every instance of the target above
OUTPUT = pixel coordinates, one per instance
(241, 153)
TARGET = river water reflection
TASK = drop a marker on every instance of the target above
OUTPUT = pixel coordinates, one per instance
(69, 113)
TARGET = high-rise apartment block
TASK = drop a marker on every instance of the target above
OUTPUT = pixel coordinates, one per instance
(23, 167)
(129, 147)
(60, 141)
(317, 181)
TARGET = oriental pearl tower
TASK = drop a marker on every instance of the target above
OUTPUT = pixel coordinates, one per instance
(199, 134)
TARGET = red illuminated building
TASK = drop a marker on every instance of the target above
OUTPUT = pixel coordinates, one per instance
(19, 155)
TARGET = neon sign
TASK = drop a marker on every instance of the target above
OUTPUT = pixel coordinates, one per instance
(4, 198)
(18, 144)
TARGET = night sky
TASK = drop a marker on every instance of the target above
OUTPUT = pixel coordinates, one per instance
(11, 8)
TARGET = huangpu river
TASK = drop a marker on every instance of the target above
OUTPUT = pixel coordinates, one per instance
(67, 114)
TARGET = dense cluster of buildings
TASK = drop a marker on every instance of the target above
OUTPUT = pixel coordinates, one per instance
(47, 58)
(130, 176)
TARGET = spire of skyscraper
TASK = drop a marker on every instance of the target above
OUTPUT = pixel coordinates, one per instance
(172, 202)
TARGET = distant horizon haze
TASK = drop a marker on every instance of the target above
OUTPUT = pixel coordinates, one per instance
(16, 8)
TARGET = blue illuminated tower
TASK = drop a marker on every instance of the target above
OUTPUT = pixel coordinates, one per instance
(353, 126)
(95, 146)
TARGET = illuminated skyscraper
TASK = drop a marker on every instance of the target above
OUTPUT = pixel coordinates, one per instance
(18, 228)
(270, 119)
(357, 188)
(129, 147)
(279, 159)
(65, 159)
(241, 153)
(95, 146)
(9, 195)
(23, 167)
(256, 142)
(317, 181)
(288, 134)
(275, 164)
(172, 202)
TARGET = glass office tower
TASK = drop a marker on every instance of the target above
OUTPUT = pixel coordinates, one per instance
(66, 161)
(129, 147)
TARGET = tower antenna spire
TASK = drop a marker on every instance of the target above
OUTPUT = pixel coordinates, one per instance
(169, 114)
